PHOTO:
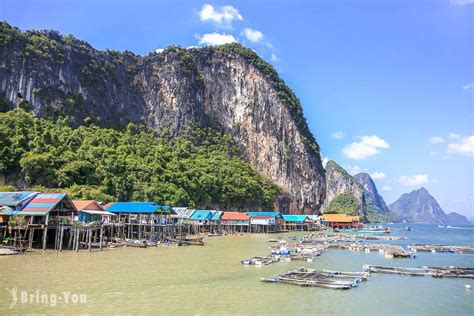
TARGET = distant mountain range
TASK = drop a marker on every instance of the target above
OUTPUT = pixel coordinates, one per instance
(420, 206)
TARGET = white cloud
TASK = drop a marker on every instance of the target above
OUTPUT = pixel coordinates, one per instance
(468, 86)
(415, 180)
(216, 39)
(252, 35)
(221, 16)
(274, 57)
(386, 188)
(368, 146)
(337, 135)
(461, 2)
(353, 170)
(454, 136)
(465, 147)
(159, 50)
(324, 160)
(377, 175)
(436, 140)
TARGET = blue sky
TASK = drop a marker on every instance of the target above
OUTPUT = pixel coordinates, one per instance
(387, 86)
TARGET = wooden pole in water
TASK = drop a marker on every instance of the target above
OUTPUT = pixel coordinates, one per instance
(61, 239)
(45, 233)
(78, 232)
(90, 238)
(101, 235)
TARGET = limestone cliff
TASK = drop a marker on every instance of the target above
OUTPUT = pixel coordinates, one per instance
(375, 205)
(228, 88)
(343, 193)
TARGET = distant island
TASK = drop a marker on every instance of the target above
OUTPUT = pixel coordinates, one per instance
(420, 206)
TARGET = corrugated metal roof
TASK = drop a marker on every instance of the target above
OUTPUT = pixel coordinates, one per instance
(275, 214)
(96, 212)
(313, 217)
(183, 212)
(87, 205)
(43, 203)
(342, 218)
(201, 215)
(295, 218)
(235, 216)
(166, 209)
(36, 213)
(138, 207)
(16, 200)
(132, 207)
(216, 215)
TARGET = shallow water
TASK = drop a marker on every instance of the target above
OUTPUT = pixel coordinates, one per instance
(211, 280)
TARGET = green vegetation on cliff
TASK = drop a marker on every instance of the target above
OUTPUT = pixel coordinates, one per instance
(199, 169)
(344, 203)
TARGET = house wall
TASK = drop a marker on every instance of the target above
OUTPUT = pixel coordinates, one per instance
(262, 221)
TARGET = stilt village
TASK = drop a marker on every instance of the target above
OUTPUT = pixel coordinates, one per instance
(32, 221)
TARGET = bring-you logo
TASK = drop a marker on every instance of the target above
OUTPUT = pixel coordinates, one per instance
(36, 297)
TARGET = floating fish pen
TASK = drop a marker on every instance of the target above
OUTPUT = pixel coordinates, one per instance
(390, 251)
(259, 261)
(436, 272)
(320, 278)
(443, 248)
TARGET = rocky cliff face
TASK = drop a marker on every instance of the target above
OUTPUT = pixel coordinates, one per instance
(418, 206)
(374, 203)
(228, 88)
(339, 181)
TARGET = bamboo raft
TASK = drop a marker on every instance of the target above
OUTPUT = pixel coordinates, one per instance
(436, 272)
(319, 278)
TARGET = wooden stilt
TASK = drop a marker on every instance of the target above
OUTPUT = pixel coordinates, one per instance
(61, 235)
(90, 239)
(101, 235)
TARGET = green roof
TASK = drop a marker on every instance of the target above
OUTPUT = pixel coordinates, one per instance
(295, 218)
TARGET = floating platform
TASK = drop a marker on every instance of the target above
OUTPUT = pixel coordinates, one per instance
(436, 272)
(259, 261)
(320, 278)
(443, 248)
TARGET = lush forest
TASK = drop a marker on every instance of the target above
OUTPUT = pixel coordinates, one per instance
(201, 168)
(344, 203)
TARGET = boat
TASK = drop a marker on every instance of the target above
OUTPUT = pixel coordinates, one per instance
(441, 226)
(8, 251)
(135, 243)
(408, 228)
(198, 241)
(214, 235)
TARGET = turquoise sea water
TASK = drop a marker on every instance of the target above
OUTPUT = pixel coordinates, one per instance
(211, 280)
